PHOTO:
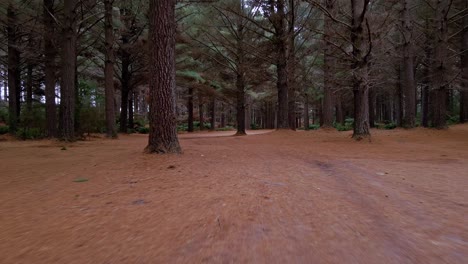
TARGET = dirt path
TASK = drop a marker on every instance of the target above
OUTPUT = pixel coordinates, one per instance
(280, 197)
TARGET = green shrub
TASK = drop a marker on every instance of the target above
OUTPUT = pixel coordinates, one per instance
(29, 133)
(452, 120)
(345, 127)
(92, 120)
(139, 121)
(349, 121)
(390, 126)
(314, 126)
(387, 126)
(3, 114)
(182, 127)
(254, 126)
(4, 129)
(143, 130)
(226, 128)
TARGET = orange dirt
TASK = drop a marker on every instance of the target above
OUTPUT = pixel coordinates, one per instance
(280, 197)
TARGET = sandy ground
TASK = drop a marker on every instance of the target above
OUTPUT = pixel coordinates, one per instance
(279, 197)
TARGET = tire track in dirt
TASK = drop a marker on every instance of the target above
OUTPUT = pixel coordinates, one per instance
(365, 193)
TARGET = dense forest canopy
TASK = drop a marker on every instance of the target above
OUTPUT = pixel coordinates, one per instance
(84, 66)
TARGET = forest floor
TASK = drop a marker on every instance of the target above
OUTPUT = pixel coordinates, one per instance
(277, 197)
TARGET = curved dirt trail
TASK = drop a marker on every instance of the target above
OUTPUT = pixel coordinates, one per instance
(281, 197)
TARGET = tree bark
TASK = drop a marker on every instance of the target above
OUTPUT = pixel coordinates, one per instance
(213, 114)
(190, 109)
(291, 67)
(464, 68)
(49, 71)
(425, 94)
(109, 70)
(163, 122)
(306, 112)
(131, 124)
(240, 78)
(125, 89)
(14, 86)
(407, 73)
(201, 117)
(360, 69)
(278, 19)
(67, 87)
(339, 109)
(29, 87)
(223, 115)
(328, 65)
(240, 107)
(371, 107)
(439, 81)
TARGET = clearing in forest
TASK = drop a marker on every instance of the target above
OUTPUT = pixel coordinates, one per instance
(276, 197)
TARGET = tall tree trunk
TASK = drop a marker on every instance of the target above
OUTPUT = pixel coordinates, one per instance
(360, 69)
(439, 81)
(131, 124)
(240, 108)
(398, 100)
(371, 107)
(339, 109)
(407, 73)
(201, 117)
(223, 115)
(49, 71)
(278, 19)
(125, 89)
(213, 114)
(328, 66)
(306, 111)
(109, 69)
(14, 86)
(464, 68)
(163, 121)
(190, 109)
(67, 87)
(425, 94)
(291, 65)
(29, 87)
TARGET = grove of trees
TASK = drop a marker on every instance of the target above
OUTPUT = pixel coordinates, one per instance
(73, 67)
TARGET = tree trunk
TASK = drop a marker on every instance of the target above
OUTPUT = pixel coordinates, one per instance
(240, 108)
(223, 115)
(398, 101)
(131, 124)
(29, 87)
(291, 67)
(109, 70)
(14, 86)
(339, 110)
(163, 121)
(408, 83)
(328, 66)
(425, 94)
(439, 81)
(371, 107)
(190, 109)
(278, 19)
(359, 70)
(213, 114)
(67, 87)
(306, 111)
(464, 68)
(201, 117)
(49, 71)
(125, 89)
